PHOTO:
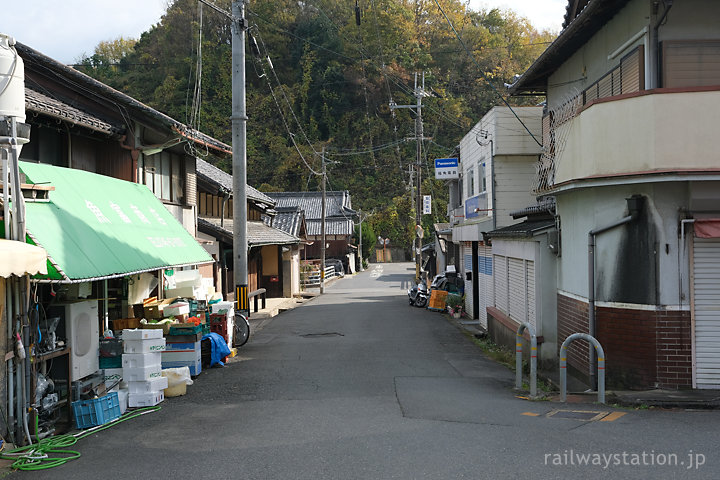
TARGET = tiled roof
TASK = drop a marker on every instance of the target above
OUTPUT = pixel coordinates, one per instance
(218, 177)
(257, 232)
(288, 219)
(523, 229)
(333, 226)
(37, 102)
(74, 79)
(337, 203)
(545, 206)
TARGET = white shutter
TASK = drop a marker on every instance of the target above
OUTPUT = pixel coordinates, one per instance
(531, 310)
(516, 278)
(485, 290)
(468, 283)
(500, 277)
(706, 292)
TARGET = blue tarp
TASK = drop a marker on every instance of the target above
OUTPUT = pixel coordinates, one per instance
(218, 348)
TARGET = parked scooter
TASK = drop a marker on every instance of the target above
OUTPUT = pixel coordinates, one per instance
(419, 295)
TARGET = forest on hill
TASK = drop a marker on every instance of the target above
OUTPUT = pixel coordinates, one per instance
(321, 74)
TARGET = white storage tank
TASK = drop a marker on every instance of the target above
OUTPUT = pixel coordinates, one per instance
(12, 80)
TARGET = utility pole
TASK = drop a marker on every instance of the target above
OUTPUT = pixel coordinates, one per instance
(322, 227)
(419, 93)
(360, 251)
(239, 158)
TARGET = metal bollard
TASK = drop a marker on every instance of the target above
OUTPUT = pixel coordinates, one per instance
(600, 364)
(533, 358)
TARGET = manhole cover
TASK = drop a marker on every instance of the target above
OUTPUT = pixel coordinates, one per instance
(320, 335)
(582, 415)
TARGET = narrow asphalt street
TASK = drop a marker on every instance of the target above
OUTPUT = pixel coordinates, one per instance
(356, 384)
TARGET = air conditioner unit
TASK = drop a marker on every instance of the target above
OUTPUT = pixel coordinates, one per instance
(83, 335)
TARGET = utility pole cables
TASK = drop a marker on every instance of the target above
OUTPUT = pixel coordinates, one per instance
(419, 93)
(322, 226)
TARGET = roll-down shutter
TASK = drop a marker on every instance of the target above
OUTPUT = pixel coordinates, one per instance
(706, 293)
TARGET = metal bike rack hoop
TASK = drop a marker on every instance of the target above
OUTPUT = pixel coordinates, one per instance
(533, 358)
(600, 364)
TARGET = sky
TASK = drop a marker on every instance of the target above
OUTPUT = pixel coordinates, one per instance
(65, 30)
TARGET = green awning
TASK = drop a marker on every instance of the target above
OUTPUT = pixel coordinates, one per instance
(95, 227)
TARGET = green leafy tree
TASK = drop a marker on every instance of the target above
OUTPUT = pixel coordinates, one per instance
(318, 78)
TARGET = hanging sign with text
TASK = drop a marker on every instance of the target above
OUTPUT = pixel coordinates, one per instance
(446, 168)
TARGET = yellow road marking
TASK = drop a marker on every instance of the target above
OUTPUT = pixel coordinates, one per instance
(613, 416)
(530, 414)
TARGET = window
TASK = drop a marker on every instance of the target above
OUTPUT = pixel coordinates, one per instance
(164, 176)
(471, 182)
(483, 177)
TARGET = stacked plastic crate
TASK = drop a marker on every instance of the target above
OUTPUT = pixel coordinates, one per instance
(142, 366)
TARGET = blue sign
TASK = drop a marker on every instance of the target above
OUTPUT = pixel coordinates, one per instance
(446, 168)
(472, 207)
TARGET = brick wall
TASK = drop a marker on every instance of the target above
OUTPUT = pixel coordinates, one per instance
(572, 317)
(628, 338)
(674, 349)
(643, 348)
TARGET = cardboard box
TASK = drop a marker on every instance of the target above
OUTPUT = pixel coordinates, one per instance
(155, 309)
(181, 318)
(164, 327)
(123, 323)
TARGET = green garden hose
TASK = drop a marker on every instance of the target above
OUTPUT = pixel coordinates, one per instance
(38, 456)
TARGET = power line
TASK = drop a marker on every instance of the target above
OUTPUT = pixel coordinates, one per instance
(478, 65)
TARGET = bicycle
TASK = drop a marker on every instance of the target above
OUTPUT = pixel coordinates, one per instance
(241, 330)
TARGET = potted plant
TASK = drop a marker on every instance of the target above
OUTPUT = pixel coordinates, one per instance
(455, 304)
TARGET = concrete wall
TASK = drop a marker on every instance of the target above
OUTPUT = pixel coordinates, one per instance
(514, 176)
(641, 134)
(635, 263)
(508, 141)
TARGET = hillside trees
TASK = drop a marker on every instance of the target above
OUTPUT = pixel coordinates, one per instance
(319, 79)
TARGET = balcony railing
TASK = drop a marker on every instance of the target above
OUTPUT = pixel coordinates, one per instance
(627, 77)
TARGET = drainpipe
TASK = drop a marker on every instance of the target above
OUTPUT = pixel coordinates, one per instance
(492, 184)
(634, 204)
(10, 364)
(226, 196)
(654, 44)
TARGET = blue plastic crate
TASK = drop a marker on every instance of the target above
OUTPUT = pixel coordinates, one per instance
(98, 411)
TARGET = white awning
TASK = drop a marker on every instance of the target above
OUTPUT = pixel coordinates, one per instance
(17, 258)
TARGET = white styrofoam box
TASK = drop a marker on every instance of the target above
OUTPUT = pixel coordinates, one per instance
(179, 308)
(133, 360)
(195, 366)
(149, 399)
(148, 386)
(112, 376)
(123, 399)
(186, 292)
(182, 356)
(141, 374)
(217, 307)
(145, 346)
(183, 347)
(141, 333)
(187, 278)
